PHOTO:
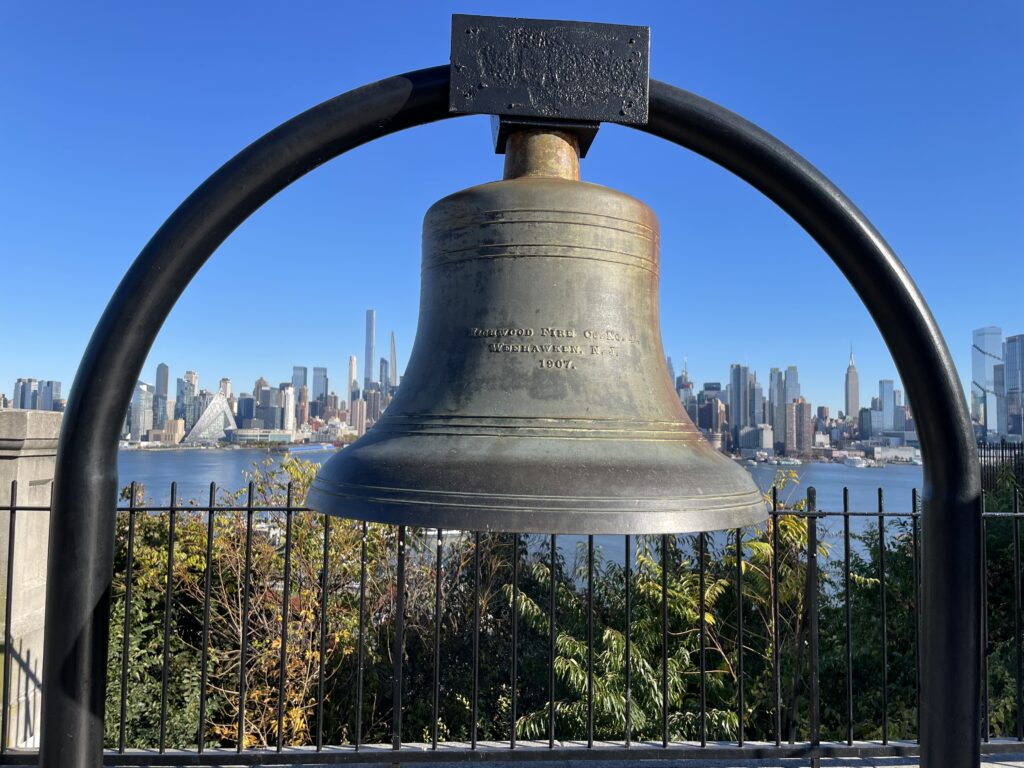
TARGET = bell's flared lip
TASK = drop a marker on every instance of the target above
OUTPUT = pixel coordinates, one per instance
(450, 510)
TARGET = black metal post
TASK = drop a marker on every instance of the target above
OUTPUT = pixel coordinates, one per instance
(169, 617)
(399, 647)
(8, 608)
(85, 484)
(126, 640)
(286, 615)
(811, 609)
(204, 662)
(883, 611)
(846, 612)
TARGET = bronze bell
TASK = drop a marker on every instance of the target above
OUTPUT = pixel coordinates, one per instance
(537, 398)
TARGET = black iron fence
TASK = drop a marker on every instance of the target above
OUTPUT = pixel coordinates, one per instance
(247, 627)
(1001, 463)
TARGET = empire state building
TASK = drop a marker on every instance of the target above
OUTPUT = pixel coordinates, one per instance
(852, 390)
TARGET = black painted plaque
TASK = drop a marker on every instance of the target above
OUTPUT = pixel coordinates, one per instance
(555, 70)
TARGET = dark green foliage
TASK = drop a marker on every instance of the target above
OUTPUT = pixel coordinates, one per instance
(724, 605)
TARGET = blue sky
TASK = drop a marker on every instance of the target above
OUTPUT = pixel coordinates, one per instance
(111, 114)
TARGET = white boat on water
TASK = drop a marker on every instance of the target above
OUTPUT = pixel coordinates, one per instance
(855, 461)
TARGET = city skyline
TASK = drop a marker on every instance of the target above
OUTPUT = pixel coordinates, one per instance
(348, 235)
(997, 362)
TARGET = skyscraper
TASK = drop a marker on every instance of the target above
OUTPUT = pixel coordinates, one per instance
(353, 382)
(302, 408)
(385, 377)
(792, 385)
(141, 412)
(319, 384)
(1013, 381)
(887, 401)
(193, 378)
(776, 405)
(186, 402)
(368, 359)
(299, 377)
(288, 407)
(393, 362)
(160, 396)
(756, 395)
(225, 387)
(739, 399)
(852, 390)
(26, 394)
(258, 387)
(48, 395)
(986, 354)
(799, 427)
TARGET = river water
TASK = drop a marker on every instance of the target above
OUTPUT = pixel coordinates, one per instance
(195, 469)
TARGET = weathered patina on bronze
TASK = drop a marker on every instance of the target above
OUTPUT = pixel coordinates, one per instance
(537, 398)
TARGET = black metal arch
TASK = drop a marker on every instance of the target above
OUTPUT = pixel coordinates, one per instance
(85, 485)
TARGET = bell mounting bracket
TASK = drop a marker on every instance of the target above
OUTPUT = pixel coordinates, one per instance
(560, 75)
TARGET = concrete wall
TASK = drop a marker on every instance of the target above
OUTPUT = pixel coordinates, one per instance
(28, 446)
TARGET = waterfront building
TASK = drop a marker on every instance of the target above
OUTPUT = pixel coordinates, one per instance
(877, 422)
(821, 422)
(756, 395)
(353, 383)
(185, 403)
(799, 427)
(48, 394)
(358, 417)
(986, 353)
(1013, 385)
(790, 392)
(776, 401)
(852, 402)
(245, 410)
(864, 423)
(141, 414)
(684, 385)
(887, 401)
(302, 409)
(319, 385)
(371, 330)
(26, 393)
(259, 436)
(269, 409)
(373, 405)
(160, 393)
(711, 415)
(791, 386)
(900, 419)
(172, 433)
(214, 423)
(804, 426)
(288, 407)
(739, 399)
(756, 438)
